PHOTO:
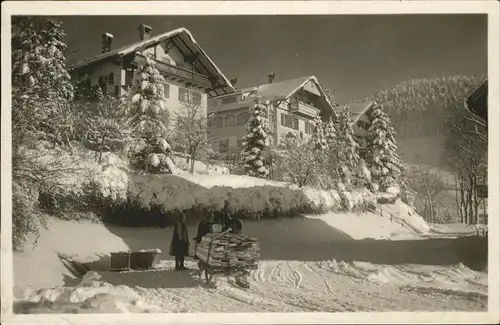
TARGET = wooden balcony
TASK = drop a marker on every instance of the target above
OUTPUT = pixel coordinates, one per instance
(304, 109)
(173, 72)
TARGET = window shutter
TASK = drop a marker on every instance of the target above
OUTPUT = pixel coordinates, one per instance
(182, 95)
(129, 76)
(166, 89)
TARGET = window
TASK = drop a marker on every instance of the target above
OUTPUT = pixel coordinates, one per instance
(230, 120)
(243, 118)
(117, 91)
(166, 90)
(284, 119)
(229, 100)
(102, 84)
(224, 146)
(183, 95)
(129, 76)
(196, 98)
(362, 125)
(111, 78)
(189, 96)
(309, 128)
(216, 122)
(87, 84)
(289, 121)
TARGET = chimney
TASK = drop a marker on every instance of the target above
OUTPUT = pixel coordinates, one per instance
(271, 77)
(144, 32)
(234, 81)
(107, 40)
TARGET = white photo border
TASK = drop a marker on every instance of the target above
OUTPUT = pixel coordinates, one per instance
(55, 8)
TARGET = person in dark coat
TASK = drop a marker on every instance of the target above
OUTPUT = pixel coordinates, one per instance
(179, 246)
(236, 226)
(203, 229)
(226, 221)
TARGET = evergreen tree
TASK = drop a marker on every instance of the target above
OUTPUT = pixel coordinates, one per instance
(41, 94)
(330, 131)
(318, 136)
(149, 150)
(385, 163)
(347, 146)
(41, 87)
(256, 142)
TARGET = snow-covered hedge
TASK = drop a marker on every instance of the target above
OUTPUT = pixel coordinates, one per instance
(118, 195)
(156, 199)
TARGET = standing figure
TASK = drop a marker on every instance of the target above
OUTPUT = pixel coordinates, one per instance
(179, 246)
(236, 226)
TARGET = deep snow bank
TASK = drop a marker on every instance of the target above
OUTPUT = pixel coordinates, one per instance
(78, 241)
(388, 221)
(405, 214)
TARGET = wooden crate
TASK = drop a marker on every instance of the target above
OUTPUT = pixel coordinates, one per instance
(120, 261)
(143, 260)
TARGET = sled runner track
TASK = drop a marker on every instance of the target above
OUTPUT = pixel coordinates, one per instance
(306, 265)
(328, 287)
(296, 274)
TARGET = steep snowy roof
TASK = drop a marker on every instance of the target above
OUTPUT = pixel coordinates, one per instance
(284, 89)
(186, 38)
(357, 109)
(477, 102)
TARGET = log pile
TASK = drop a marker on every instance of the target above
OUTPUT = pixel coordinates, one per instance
(228, 250)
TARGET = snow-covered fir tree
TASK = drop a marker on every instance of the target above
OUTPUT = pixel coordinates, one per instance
(330, 131)
(382, 158)
(362, 176)
(149, 150)
(348, 156)
(41, 110)
(318, 136)
(41, 87)
(256, 142)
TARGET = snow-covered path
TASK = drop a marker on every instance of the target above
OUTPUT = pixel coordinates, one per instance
(280, 286)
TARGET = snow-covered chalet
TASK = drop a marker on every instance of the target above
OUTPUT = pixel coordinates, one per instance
(190, 75)
(293, 104)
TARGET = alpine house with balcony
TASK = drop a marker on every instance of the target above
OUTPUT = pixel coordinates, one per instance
(191, 77)
(293, 105)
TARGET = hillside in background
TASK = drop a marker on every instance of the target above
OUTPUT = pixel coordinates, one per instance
(418, 109)
(421, 111)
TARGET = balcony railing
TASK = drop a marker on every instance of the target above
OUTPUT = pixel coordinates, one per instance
(186, 75)
(303, 109)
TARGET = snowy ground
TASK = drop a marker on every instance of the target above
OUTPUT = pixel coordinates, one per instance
(306, 265)
(284, 286)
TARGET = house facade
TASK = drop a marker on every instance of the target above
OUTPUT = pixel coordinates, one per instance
(477, 102)
(191, 77)
(359, 120)
(292, 106)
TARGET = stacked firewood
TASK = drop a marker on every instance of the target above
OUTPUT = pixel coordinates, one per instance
(228, 250)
